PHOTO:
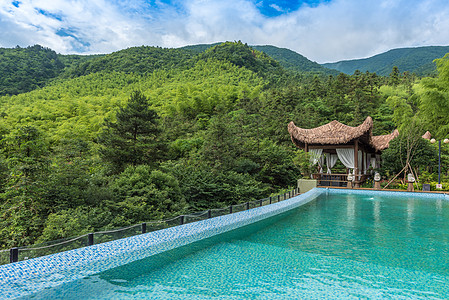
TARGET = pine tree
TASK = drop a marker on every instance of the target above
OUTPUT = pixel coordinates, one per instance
(133, 138)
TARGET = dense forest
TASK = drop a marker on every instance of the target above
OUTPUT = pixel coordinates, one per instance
(147, 133)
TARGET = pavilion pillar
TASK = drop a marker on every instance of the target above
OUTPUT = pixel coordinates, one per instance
(356, 162)
(306, 147)
(363, 161)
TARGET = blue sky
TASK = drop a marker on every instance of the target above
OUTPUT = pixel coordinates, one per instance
(321, 30)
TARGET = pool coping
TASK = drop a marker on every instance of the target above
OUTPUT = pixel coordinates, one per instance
(27, 277)
(419, 194)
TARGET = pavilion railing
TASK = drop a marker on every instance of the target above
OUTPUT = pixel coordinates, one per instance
(27, 252)
(325, 179)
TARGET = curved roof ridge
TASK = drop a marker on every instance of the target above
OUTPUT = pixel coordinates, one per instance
(331, 133)
(382, 142)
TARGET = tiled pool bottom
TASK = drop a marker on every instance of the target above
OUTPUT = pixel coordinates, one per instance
(356, 245)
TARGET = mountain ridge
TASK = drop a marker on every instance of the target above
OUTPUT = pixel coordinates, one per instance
(418, 60)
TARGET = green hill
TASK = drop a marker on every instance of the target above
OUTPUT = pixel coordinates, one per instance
(287, 58)
(243, 55)
(414, 60)
(294, 61)
(139, 60)
(200, 47)
(76, 107)
(24, 69)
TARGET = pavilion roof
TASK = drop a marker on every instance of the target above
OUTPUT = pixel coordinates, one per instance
(427, 135)
(336, 133)
(382, 142)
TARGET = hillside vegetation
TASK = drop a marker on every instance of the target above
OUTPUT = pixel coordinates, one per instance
(287, 58)
(149, 133)
(413, 60)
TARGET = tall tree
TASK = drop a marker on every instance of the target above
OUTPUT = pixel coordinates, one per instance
(21, 212)
(133, 138)
(394, 76)
(434, 95)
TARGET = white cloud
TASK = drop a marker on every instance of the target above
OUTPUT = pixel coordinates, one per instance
(276, 7)
(340, 29)
(69, 26)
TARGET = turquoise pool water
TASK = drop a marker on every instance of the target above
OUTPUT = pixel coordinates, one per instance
(338, 246)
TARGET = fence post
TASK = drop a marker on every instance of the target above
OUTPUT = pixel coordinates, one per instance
(144, 227)
(14, 255)
(247, 205)
(90, 238)
(261, 202)
(270, 199)
(181, 219)
(209, 214)
(279, 198)
(230, 209)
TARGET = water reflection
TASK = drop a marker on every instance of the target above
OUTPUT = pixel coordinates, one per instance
(410, 213)
(350, 210)
(439, 206)
(376, 213)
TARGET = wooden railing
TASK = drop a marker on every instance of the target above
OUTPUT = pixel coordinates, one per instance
(325, 179)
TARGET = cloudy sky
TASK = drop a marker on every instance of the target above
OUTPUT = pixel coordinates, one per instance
(321, 30)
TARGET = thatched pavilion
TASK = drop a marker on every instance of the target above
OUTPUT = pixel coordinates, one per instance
(355, 147)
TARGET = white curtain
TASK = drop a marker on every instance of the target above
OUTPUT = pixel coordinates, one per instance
(315, 155)
(346, 156)
(360, 161)
(377, 160)
(321, 162)
(367, 162)
(373, 162)
(370, 161)
(331, 160)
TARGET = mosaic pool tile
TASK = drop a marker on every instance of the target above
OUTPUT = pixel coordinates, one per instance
(29, 276)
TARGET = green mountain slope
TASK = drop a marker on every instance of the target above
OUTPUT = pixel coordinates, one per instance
(287, 58)
(77, 107)
(243, 55)
(294, 61)
(139, 60)
(24, 69)
(200, 47)
(414, 60)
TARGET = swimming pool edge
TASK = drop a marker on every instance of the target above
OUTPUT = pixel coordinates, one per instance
(27, 277)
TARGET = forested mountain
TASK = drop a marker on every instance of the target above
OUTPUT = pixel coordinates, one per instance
(139, 60)
(200, 47)
(413, 60)
(148, 133)
(24, 69)
(294, 61)
(287, 58)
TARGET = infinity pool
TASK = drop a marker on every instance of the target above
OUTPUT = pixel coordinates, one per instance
(340, 245)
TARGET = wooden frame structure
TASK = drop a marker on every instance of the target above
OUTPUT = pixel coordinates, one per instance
(335, 135)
